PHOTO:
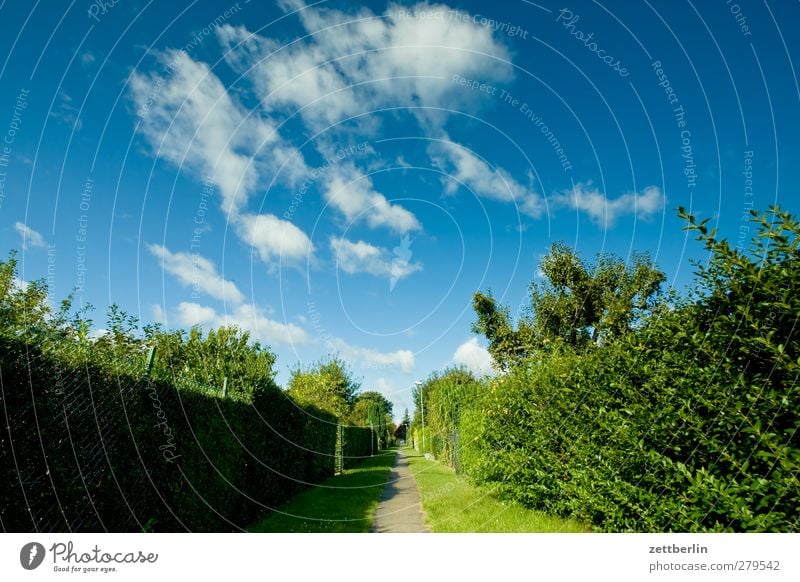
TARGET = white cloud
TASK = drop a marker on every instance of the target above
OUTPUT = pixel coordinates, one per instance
(274, 239)
(606, 211)
(18, 284)
(246, 317)
(351, 62)
(96, 334)
(353, 194)
(190, 119)
(356, 61)
(474, 357)
(198, 272)
(362, 257)
(158, 313)
(30, 237)
(402, 359)
(463, 166)
(190, 314)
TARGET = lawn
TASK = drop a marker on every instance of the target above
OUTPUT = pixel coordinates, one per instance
(451, 504)
(344, 503)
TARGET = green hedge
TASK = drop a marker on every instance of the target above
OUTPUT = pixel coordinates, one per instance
(359, 443)
(688, 423)
(95, 449)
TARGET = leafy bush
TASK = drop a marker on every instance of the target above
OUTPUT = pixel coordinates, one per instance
(95, 444)
(686, 423)
(358, 443)
(445, 395)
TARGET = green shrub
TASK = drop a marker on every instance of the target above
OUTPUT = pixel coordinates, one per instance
(94, 443)
(687, 423)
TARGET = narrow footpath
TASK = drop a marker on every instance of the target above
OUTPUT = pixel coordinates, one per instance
(399, 506)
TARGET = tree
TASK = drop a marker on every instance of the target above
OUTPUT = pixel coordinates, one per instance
(577, 304)
(372, 409)
(329, 385)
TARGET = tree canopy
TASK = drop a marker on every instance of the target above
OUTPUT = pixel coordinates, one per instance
(578, 304)
(327, 384)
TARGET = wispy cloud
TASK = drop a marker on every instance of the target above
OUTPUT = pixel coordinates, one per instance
(401, 359)
(190, 119)
(354, 61)
(362, 257)
(197, 272)
(605, 211)
(246, 317)
(352, 192)
(30, 237)
(466, 167)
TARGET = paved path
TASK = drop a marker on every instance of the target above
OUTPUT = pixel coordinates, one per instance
(399, 509)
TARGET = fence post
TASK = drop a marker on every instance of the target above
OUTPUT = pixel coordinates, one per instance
(225, 386)
(150, 357)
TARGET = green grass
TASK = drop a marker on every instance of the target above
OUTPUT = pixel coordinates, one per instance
(344, 503)
(451, 504)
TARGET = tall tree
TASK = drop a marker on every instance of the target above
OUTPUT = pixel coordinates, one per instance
(374, 410)
(577, 304)
(328, 385)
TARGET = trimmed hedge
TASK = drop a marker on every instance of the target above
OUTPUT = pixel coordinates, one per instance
(688, 423)
(92, 449)
(359, 443)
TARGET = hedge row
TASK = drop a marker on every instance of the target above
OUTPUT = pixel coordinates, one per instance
(688, 423)
(89, 449)
(358, 443)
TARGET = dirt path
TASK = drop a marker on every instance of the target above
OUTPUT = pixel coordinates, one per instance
(399, 508)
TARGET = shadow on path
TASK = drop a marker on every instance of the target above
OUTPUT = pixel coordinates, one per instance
(399, 508)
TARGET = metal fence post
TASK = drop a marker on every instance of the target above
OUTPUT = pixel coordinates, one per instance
(150, 357)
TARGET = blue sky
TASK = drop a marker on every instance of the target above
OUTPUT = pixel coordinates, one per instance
(341, 178)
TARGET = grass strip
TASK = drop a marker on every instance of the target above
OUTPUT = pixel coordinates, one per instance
(452, 504)
(344, 503)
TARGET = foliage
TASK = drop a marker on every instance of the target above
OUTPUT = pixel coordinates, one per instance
(359, 443)
(93, 443)
(401, 432)
(578, 304)
(687, 421)
(453, 505)
(372, 409)
(327, 384)
(345, 503)
(444, 395)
